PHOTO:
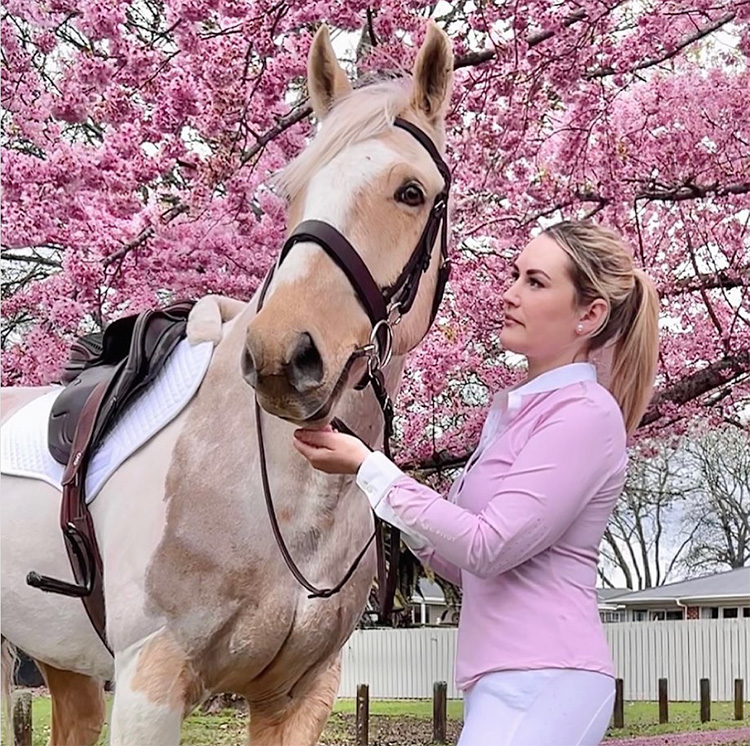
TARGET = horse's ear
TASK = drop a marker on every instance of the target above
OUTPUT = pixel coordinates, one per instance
(326, 81)
(433, 74)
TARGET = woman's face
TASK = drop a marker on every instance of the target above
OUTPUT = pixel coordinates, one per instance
(541, 315)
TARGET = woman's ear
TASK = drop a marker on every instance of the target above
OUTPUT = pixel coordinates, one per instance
(594, 318)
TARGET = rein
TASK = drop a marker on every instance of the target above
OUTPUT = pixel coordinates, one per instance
(385, 307)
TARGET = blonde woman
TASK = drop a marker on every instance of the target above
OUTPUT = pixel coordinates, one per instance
(521, 527)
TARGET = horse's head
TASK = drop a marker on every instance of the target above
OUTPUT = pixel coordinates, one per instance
(376, 185)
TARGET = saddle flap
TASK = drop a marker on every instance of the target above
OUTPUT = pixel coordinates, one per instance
(126, 356)
(67, 409)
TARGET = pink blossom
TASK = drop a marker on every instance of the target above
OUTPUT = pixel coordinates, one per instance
(131, 172)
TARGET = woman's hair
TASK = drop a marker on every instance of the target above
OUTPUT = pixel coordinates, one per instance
(601, 267)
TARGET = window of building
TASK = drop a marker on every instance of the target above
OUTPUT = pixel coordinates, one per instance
(640, 615)
(714, 612)
(730, 612)
(662, 615)
(746, 612)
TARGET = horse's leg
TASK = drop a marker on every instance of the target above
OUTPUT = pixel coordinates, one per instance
(301, 719)
(155, 687)
(78, 709)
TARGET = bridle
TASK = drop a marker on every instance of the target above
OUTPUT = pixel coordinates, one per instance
(385, 307)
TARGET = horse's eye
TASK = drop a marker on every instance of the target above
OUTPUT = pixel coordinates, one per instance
(410, 194)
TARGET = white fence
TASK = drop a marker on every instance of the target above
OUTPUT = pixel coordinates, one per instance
(404, 664)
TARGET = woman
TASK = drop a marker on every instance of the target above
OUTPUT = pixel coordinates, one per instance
(521, 527)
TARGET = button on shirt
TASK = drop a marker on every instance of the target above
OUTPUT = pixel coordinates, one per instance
(521, 527)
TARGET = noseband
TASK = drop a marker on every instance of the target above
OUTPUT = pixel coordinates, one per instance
(385, 307)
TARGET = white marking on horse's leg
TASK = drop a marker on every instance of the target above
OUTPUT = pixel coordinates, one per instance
(331, 195)
(154, 688)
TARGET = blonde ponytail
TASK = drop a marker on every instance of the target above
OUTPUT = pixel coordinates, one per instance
(636, 352)
(601, 267)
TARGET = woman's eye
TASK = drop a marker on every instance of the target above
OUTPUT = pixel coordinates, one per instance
(534, 282)
(411, 195)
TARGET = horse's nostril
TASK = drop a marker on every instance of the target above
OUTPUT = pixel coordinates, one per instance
(249, 373)
(305, 369)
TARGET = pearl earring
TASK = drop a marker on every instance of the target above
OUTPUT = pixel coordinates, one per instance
(579, 328)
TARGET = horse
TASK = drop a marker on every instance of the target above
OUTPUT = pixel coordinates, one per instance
(198, 599)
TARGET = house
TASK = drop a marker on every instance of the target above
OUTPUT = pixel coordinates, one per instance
(428, 605)
(609, 611)
(724, 595)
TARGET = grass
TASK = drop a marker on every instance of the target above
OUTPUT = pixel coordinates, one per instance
(420, 708)
(229, 727)
(642, 718)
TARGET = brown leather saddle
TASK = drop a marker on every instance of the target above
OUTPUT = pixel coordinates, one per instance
(104, 374)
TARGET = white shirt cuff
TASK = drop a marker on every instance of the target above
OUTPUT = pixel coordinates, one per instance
(375, 478)
(376, 475)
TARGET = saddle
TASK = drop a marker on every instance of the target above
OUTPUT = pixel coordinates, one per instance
(104, 374)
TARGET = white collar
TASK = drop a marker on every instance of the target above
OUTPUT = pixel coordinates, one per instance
(557, 378)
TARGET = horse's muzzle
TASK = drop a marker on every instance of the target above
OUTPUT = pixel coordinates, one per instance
(303, 371)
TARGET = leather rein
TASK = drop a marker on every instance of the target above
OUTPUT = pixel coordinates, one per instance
(385, 307)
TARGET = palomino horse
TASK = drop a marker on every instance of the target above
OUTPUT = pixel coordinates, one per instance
(198, 598)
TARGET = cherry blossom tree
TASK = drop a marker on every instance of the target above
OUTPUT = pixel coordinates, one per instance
(138, 139)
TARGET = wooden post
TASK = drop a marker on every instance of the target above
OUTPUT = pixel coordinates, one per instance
(439, 711)
(22, 719)
(739, 699)
(619, 715)
(705, 700)
(363, 715)
(663, 701)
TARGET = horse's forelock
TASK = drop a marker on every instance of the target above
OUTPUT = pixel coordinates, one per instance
(363, 114)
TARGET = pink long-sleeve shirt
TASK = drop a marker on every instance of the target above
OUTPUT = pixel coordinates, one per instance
(521, 527)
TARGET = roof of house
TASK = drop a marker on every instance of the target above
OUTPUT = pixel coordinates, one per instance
(733, 585)
(604, 594)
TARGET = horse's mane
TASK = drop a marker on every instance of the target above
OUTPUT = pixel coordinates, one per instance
(364, 113)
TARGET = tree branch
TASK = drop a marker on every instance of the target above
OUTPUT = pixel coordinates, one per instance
(31, 259)
(541, 36)
(643, 64)
(436, 464)
(693, 191)
(723, 279)
(699, 383)
(143, 236)
(472, 59)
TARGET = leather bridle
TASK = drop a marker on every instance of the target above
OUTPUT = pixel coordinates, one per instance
(385, 307)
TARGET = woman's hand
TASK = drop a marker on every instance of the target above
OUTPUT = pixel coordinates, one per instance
(331, 452)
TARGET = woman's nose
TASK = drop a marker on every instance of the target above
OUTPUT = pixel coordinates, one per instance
(510, 296)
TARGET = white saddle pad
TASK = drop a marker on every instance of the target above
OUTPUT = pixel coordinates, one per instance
(24, 436)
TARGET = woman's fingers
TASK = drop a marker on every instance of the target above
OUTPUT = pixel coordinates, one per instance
(319, 458)
(320, 438)
(331, 451)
